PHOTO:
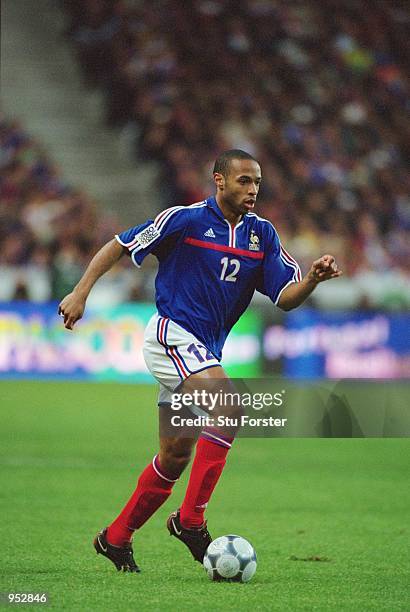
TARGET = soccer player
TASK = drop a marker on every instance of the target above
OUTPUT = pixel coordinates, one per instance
(212, 256)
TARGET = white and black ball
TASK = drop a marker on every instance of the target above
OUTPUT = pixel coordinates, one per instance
(230, 558)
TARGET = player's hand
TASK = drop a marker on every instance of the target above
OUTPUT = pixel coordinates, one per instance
(72, 309)
(324, 269)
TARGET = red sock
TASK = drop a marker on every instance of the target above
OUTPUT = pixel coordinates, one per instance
(153, 489)
(210, 458)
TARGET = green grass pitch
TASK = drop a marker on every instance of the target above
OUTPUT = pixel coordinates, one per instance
(70, 455)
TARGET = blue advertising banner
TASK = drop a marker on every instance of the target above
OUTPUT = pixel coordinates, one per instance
(313, 344)
(105, 345)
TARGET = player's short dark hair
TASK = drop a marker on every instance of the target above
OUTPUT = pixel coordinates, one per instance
(223, 162)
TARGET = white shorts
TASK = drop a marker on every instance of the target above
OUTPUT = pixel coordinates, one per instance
(172, 354)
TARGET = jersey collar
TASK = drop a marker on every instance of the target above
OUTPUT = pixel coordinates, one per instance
(212, 203)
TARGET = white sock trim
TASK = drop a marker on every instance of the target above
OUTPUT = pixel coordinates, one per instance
(159, 473)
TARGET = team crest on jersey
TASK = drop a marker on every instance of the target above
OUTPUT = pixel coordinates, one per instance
(254, 242)
(148, 235)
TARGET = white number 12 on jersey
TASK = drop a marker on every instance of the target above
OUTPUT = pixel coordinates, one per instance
(231, 277)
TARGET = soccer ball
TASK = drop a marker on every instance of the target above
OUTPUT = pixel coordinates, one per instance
(230, 558)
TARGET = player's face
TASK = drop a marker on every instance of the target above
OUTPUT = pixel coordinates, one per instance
(239, 189)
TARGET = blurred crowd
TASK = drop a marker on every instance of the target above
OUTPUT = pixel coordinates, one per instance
(48, 230)
(318, 92)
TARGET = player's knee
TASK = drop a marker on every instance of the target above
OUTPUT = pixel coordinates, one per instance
(229, 411)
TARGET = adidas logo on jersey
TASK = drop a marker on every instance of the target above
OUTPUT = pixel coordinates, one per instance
(210, 233)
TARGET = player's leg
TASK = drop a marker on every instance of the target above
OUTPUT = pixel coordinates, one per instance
(174, 451)
(159, 476)
(211, 450)
(154, 485)
(153, 489)
(210, 457)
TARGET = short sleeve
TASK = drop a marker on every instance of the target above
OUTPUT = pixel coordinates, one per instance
(279, 268)
(144, 239)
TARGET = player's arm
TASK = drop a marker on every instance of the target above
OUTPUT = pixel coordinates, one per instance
(73, 305)
(295, 294)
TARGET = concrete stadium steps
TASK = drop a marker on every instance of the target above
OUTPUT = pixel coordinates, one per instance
(42, 86)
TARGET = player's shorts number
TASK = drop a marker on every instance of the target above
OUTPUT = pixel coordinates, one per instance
(234, 266)
(201, 352)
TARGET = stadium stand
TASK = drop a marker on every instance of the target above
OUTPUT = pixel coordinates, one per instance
(318, 94)
(48, 229)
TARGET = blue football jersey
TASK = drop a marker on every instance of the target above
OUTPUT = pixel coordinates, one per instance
(209, 269)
